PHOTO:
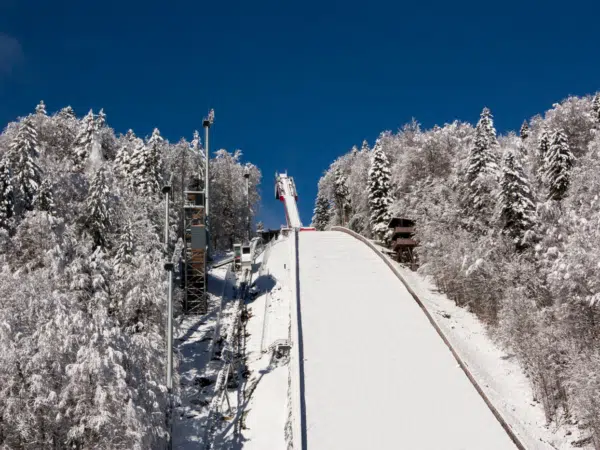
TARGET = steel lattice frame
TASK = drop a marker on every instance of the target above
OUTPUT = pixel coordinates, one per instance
(195, 301)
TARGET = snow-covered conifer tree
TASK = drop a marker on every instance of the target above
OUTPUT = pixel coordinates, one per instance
(7, 199)
(321, 212)
(98, 209)
(524, 130)
(125, 249)
(44, 200)
(365, 146)
(67, 113)
(100, 120)
(145, 164)
(543, 144)
(24, 151)
(41, 108)
(123, 157)
(557, 166)
(260, 227)
(84, 140)
(155, 147)
(482, 157)
(517, 208)
(596, 107)
(379, 192)
(342, 197)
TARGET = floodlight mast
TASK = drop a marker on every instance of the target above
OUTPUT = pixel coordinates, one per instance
(206, 123)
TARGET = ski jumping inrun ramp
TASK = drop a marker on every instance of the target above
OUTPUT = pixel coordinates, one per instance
(376, 373)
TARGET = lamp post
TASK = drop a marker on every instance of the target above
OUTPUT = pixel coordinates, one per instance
(206, 123)
(247, 177)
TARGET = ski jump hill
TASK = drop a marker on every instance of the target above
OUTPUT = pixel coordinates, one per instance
(369, 368)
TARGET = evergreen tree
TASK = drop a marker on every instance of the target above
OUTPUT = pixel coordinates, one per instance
(67, 113)
(365, 147)
(137, 165)
(41, 108)
(145, 164)
(482, 158)
(379, 192)
(543, 144)
(24, 151)
(124, 253)
(524, 130)
(44, 200)
(558, 163)
(342, 197)
(195, 144)
(596, 107)
(260, 227)
(7, 200)
(123, 157)
(100, 120)
(517, 208)
(98, 218)
(84, 140)
(321, 215)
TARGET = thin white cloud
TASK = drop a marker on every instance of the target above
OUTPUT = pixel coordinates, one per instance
(11, 54)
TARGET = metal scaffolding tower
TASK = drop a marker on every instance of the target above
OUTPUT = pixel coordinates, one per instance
(195, 252)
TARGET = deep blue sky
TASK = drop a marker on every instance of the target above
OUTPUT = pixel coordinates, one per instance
(295, 84)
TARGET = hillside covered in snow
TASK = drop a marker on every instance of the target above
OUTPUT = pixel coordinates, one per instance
(82, 284)
(508, 228)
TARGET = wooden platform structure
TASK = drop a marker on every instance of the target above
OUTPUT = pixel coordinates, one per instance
(403, 242)
(196, 237)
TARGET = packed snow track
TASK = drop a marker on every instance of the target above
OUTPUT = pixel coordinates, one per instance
(375, 372)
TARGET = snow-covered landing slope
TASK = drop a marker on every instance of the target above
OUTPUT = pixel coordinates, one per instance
(269, 323)
(377, 375)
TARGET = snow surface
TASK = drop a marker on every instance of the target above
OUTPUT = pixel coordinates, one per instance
(498, 373)
(269, 323)
(377, 375)
(193, 344)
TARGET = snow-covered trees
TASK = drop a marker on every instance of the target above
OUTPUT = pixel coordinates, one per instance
(379, 192)
(82, 296)
(7, 201)
(481, 173)
(321, 217)
(228, 198)
(44, 200)
(529, 271)
(524, 132)
(343, 205)
(483, 157)
(84, 140)
(123, 157)
(98, 218)
(517, 208)
(596, 107)
(41, 108)
(558, 162)
(67, 113)
(543, 144)
(145, 164)
(23, 153)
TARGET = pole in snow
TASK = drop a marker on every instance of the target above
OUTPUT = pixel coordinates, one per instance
(247, 177)
(167, 190)
(169, 268)
(206, 123)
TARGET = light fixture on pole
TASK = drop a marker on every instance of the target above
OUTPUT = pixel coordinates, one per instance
(247, 177)
(206, 123)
